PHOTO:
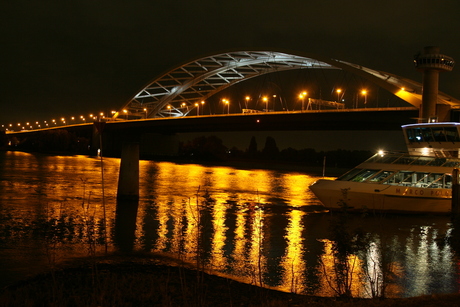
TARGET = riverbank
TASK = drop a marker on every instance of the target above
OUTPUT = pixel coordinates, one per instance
(143, 280)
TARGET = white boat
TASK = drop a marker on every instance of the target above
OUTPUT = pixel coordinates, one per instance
(418, 181)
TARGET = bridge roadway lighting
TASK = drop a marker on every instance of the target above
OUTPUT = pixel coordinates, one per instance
(302, 96)
(265, 99)
(169, 110)
(364, 93)
(226, 102)
(338, 94)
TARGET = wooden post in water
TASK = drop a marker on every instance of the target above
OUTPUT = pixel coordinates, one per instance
(128, 179)
(455, 192)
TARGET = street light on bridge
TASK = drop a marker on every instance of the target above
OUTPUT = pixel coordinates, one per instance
(227, 102)
(364, 93)
(247, 98)
(169, 109)
(265, 99)
(302, 96)
(338, 91)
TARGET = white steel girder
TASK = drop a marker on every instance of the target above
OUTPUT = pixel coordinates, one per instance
(178, 91)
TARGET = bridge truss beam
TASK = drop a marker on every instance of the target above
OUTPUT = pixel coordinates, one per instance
(177, 92)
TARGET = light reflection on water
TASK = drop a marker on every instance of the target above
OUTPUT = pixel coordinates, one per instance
(258, 226)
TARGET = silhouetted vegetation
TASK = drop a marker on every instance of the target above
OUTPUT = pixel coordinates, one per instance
(200, 149)
(204, 149)
(212, 149)
(58, 140)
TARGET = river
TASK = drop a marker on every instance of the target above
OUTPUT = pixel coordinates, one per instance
(259, 226)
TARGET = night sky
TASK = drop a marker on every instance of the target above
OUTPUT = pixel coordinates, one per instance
(63, 58)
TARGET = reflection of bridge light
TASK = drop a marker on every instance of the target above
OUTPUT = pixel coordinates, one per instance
(292, 261)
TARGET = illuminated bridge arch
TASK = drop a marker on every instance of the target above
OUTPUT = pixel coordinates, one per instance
(177, 92)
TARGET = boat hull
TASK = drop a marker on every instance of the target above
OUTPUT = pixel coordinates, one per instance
(359, 196)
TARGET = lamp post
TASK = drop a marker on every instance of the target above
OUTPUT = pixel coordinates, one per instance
(247, 98)
(202, 105)
(302, 97)
(197, 105)
(364, 93)
(265, 99)
(339, 91)
(226, 102)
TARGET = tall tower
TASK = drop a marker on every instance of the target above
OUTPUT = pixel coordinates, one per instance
(431, 62)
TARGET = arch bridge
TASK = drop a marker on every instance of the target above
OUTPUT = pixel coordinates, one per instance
(180, 90)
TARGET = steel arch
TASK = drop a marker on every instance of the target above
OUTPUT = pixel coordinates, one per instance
(177, 92)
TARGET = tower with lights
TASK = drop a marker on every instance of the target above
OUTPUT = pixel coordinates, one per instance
(431, 62)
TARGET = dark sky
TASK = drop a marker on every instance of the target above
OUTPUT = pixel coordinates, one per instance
(62, 58)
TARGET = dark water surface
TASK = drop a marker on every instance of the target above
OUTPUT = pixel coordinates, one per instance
(258, 226)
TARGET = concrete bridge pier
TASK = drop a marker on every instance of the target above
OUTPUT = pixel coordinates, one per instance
(128, 178)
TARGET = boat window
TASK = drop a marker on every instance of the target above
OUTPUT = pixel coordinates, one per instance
(439, 181)
(437, 162)
(427, 135)
(417, 135)
(381, 176)
(405, 160)
(363, 175)
(422, 161)
(350, 174)
(374, 159)
(451, 163)
(414, 135)
(430, 134)
(439, 134)
(400, 178)
(389, 158)
(421, 180)
(451, 134)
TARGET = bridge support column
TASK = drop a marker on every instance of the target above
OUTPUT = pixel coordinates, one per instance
(128, 179)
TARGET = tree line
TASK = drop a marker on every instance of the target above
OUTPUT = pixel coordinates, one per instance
(211, 148)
